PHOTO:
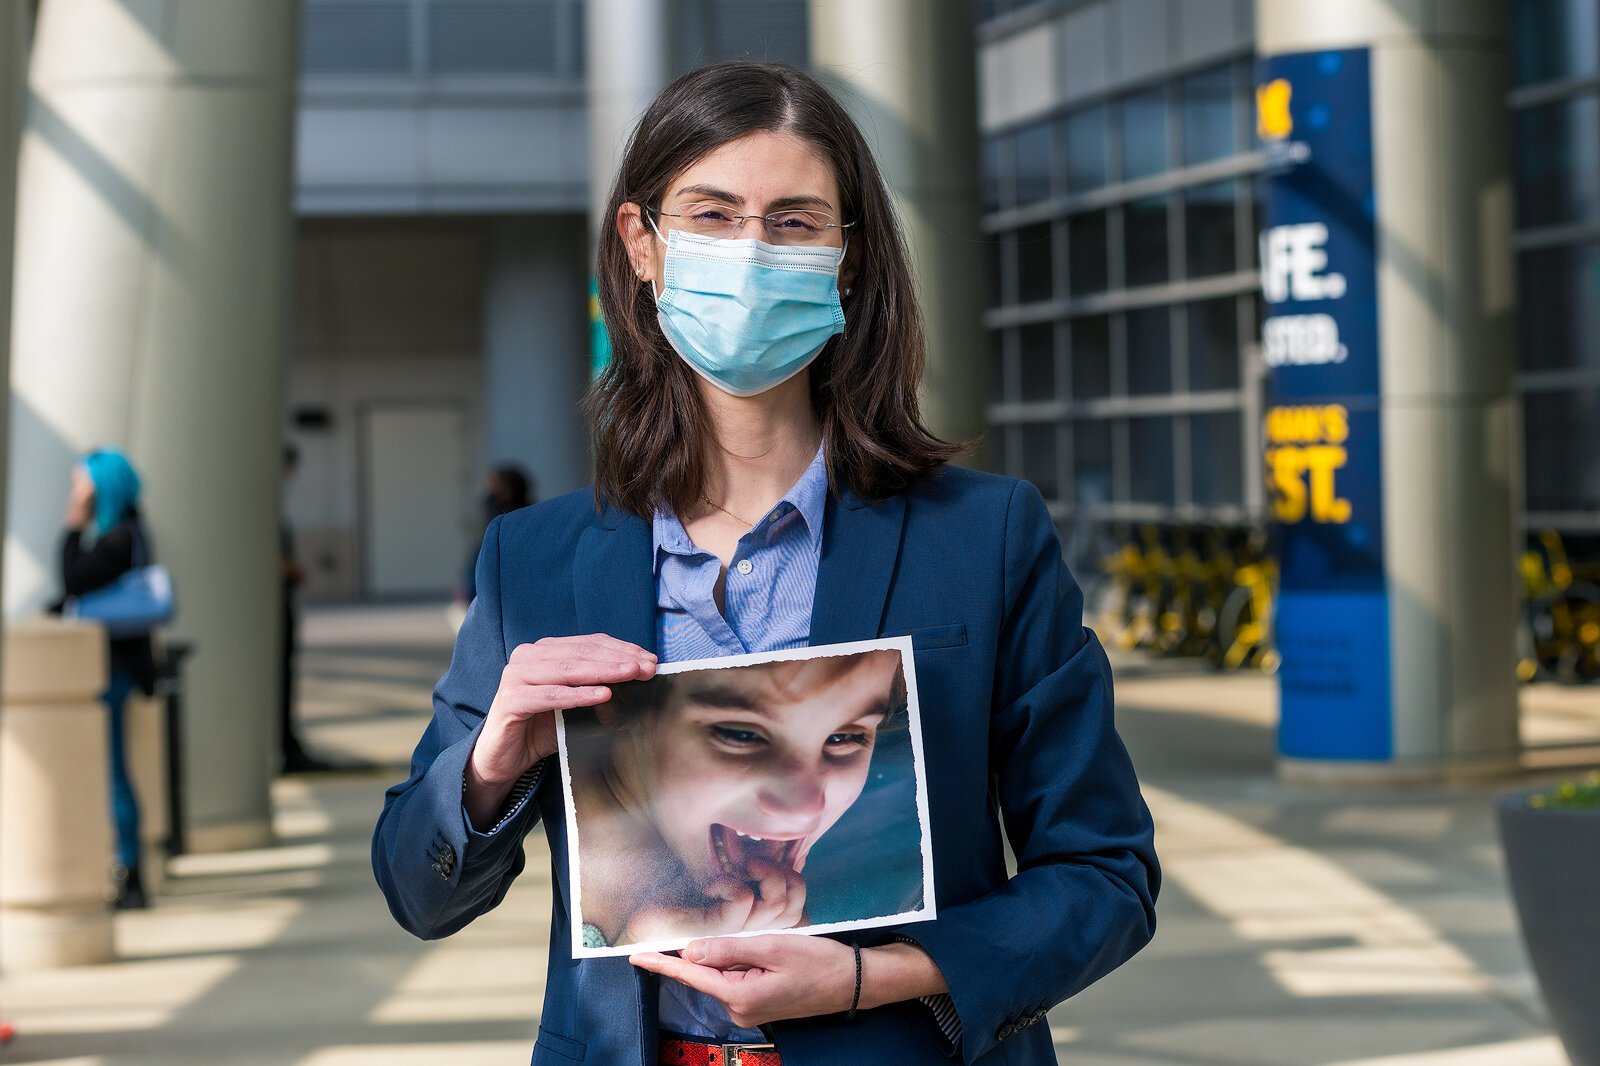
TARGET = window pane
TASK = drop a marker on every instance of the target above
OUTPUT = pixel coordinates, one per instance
(1086, 247)
(992, 271)
(1038, 362)
(1208, 229)
(1209, 120)
(1217, 443)
(1033, 163)
(1558, 162)
(1091, 462)
(1039, 459)
(1150, 452)
(1558, 323)
(1034, 259)
(1554, 39)
(1213, 345)
(1086, 149)
(997, 367)
(1562, 439)
(1144, 134)
(1144, 233)
(1091, 358)
(991, 173)
(1149, 351)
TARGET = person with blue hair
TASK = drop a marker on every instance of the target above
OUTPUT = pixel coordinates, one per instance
(104, 540)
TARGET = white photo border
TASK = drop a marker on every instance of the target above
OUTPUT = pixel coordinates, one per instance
(925, 912)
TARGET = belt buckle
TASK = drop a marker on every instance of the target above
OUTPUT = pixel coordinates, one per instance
(733, 1054)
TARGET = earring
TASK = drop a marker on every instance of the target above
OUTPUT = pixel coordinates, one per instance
(847, 290)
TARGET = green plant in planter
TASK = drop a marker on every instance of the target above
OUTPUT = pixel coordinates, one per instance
(1570, 794)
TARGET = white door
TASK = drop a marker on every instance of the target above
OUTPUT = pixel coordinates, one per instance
(418, 498)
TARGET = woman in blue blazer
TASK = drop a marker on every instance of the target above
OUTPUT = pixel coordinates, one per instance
(767, 353)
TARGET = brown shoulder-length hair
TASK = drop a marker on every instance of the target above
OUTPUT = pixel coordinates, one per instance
(653, 441)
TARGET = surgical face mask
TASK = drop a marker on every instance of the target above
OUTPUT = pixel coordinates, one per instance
(748, 315)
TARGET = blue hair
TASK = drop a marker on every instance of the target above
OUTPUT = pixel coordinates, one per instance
(116, 487)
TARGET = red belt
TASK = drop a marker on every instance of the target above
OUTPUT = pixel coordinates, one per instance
(680, 1051)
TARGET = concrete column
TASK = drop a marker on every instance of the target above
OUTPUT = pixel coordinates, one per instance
(628, 50)
(536, 349)
(1445, 405)
(55, 815)
(155, 223)
(907, 71)
(15, 31)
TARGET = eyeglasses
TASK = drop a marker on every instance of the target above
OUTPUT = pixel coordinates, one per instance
(781, 227)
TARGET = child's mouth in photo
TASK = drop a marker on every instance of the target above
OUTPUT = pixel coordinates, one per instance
(734, 851)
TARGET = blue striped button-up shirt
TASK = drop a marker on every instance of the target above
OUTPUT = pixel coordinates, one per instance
(771, 586)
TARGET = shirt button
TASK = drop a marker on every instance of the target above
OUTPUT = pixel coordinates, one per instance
(745, 566)
(773, 517)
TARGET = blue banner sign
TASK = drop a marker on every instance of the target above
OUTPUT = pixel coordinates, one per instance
(1321, 434)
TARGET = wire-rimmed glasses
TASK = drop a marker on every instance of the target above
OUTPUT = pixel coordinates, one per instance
(781, 227)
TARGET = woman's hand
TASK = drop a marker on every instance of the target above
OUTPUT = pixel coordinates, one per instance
(776, 899)
(763, 979)
(556, 673)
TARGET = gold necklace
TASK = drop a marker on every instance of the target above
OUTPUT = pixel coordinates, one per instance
(730, 514)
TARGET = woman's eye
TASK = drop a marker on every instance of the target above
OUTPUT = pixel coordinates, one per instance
(796, 223)
(709, 214)
(745, 738)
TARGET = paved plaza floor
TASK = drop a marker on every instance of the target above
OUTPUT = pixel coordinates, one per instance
(1297, 927)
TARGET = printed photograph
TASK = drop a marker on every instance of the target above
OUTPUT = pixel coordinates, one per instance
(779, 792)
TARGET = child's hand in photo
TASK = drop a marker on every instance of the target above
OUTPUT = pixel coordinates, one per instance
(776, 899)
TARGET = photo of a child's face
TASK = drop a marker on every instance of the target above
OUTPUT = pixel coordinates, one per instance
(697, 797)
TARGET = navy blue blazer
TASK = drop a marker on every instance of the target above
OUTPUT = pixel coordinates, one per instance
(1017, 723)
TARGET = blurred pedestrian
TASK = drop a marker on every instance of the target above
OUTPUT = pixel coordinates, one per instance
(507, 487)
(104, 540)
(296, 759)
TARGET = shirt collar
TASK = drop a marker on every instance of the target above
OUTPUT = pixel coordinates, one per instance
(809, 496)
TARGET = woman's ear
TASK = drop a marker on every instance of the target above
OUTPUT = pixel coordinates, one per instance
(848, 271)
(639, 241)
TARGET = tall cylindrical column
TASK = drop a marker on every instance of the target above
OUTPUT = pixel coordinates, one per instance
(535, 349)
(907, 70)
(628, 49)
(15, 32)
(1390, 423)
(155, 225)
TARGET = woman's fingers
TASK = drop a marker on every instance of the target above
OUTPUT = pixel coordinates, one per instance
(591, 645)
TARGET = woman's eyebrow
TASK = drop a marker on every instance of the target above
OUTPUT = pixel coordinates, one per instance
(782, 203)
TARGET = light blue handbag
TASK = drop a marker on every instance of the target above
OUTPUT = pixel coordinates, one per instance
(133, 604)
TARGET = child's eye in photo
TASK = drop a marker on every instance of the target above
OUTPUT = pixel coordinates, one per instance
(737, 735)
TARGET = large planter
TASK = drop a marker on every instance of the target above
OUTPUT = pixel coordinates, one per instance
(1553, 862)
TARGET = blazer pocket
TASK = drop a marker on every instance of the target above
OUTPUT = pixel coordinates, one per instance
(932, 638)
(556, 1044)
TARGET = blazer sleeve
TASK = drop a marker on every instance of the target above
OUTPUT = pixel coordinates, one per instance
(1083, 899)
(436, 870)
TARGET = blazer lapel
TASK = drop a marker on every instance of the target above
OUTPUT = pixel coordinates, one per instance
(860, 548)
(613, 579)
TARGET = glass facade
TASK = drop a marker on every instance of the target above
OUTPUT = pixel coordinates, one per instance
(1555, 117)
(1123, 307)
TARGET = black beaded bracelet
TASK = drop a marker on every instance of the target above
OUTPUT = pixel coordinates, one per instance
(855, 1000)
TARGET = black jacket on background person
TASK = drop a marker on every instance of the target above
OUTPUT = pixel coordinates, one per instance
(108, 558)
